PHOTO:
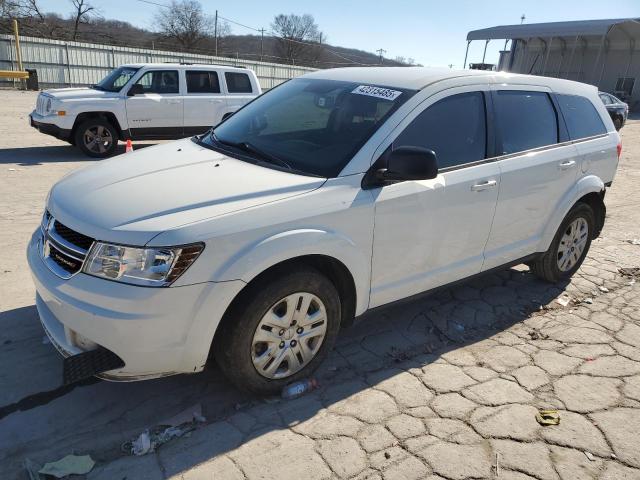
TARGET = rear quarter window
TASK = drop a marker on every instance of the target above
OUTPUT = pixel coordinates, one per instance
(581, 117)
(238, 82)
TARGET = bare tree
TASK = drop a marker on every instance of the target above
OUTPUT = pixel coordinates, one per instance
(82, 13)
(10, 8)
(184, 21)
(296, 33)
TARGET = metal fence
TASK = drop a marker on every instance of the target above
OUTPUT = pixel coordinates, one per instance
(61, 63)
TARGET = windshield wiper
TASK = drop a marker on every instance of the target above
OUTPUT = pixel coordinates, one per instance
(261, 154)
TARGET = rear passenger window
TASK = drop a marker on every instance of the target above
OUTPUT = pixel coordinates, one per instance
(525, 120)
(582, 118)
(454, 128)
(238, 82)
(202, 82)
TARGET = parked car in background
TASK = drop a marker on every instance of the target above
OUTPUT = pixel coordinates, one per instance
(618, 110)
(152, 101)
(334, 193)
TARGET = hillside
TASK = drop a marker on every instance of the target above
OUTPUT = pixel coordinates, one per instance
(115, 32)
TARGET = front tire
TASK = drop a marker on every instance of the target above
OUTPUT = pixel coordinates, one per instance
(97, 138)
(279, 331)
(569, 246)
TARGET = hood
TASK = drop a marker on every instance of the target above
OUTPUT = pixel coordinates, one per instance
(79, 93)
(131, 198)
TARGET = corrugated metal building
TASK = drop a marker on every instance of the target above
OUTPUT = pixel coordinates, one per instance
(599, 52)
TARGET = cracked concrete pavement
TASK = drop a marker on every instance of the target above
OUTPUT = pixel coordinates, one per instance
(444, 387)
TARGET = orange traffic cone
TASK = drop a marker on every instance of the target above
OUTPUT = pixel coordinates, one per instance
(129, 147)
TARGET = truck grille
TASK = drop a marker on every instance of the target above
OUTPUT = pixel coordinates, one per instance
(63, 249)
(41, 105)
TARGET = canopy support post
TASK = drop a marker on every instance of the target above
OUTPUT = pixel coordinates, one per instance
(466, 54)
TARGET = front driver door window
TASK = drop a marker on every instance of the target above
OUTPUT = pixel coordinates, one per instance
(157, 112)
(432, 232)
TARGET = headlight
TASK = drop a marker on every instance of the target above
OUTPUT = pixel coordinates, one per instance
(151, 267)
(48, 106)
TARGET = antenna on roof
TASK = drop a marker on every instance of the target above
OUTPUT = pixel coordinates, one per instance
(522, 18)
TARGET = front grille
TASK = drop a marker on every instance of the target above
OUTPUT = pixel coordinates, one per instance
(63, 249)
(64, 261)
(72, 236)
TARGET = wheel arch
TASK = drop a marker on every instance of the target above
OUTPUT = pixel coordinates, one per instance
(590, 190)
(103, 115)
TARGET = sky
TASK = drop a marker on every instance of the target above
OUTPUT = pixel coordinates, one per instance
(431, 32)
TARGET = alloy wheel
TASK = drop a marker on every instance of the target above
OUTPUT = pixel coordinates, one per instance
(98, 139)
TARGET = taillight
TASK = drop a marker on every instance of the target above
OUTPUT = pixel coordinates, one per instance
(619, 149)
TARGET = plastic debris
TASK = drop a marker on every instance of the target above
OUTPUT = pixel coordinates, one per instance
(297, 389)
(177, 426)
(590, 456)
(588, 301)
(149, 440)
(142, 444)
(614, 456)
(603, 289)
(129, 147)
(548, 417)
(69, 465)
(564, 301)
(634, 241)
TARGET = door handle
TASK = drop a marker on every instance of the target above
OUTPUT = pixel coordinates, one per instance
(567, 164)
(478, 187)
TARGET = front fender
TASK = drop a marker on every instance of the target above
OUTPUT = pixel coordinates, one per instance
(257, 257)
(584, 186)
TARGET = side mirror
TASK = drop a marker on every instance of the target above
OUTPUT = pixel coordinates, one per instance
(136, 89)
(409, 163)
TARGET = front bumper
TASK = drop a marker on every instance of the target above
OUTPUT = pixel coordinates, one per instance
(39, 123)
(155, 331)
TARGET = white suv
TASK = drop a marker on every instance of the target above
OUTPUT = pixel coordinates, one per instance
(334, 193)
(144, 102)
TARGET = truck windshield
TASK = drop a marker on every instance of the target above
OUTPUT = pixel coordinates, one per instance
(311, 126)
(117, 79)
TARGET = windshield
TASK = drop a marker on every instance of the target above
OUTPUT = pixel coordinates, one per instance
(309, 125)
(117, 79)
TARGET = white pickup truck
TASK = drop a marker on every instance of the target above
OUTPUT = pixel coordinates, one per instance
(152, 101)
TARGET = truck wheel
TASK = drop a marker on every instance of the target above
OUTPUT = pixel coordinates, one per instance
(97, 138)
(280, 331)
(617, 122)
(569, 247)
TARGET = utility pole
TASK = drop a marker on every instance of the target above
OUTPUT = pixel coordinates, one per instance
(215, 32)
(261, 43)
(381, 52)
(522, 18)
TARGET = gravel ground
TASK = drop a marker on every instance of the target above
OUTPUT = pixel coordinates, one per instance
(444, 387)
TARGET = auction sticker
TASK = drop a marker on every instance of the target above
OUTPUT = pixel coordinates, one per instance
(378, 92)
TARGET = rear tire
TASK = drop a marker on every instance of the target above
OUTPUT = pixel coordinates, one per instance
(97, 138)
(569, 246)
(279, 330)
(617, 122)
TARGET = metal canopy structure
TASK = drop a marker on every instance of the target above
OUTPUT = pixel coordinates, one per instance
(600, 52)
(552, 29)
